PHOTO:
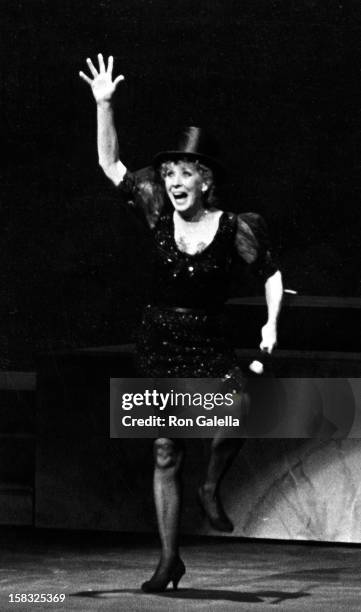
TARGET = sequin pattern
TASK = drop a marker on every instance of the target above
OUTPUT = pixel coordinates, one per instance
(182, 344)
(193, 281)
(182, 331)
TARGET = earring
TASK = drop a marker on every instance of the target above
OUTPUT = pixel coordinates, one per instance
(204, 187)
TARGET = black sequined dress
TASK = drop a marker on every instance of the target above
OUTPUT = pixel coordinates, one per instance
(182, 331)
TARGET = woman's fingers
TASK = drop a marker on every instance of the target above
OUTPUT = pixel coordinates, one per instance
(101, 63)
(85, 77)
(91, 67)
(110, 65)
(118, 79)
(102, 71)
(110, 71)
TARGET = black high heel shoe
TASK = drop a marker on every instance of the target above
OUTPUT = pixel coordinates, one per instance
(213, 509)
(159, 582)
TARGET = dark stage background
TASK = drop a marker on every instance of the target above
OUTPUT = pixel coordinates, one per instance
(277, 81)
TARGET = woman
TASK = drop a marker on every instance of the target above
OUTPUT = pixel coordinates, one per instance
(181, 333)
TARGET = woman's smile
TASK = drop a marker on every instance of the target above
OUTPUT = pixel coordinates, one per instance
(180, 196)
(184, 184)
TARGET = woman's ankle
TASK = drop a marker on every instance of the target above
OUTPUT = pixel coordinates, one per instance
(167, 558)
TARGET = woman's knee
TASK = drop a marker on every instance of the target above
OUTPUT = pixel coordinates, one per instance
(168, 453)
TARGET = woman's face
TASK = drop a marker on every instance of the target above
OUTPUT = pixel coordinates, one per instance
(184, 185)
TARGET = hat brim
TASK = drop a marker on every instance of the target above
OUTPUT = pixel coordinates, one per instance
(212, 163)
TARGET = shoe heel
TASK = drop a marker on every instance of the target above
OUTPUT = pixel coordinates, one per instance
(180, 571)
(159, 581)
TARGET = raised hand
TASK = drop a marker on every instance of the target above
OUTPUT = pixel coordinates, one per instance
(102, 84)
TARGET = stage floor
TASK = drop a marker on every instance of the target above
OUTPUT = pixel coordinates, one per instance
(103, 571)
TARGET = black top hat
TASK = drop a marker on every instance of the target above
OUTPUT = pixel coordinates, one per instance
(194, 144)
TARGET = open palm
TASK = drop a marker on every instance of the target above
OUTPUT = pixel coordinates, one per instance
(102, 84)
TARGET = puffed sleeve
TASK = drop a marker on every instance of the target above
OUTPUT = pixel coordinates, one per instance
(253, 245)
(142, 191)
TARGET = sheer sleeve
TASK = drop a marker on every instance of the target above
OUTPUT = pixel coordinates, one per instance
(142, 191)
(253, 245)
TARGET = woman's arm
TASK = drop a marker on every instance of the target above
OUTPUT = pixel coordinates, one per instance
(103, 88)
(274, 293)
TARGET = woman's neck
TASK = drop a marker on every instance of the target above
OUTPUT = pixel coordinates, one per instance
(192, 216)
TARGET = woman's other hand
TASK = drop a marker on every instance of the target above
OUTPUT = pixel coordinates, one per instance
(269, 337)
(101, 83)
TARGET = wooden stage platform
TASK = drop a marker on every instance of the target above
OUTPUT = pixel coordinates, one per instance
(104, 572)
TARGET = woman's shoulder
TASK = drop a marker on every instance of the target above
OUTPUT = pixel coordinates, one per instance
(224, 220)
(252, 219)
(224, 216)
(142, 179)
(252, 243)
(251, 224)
(144, 191)
(249, 221)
